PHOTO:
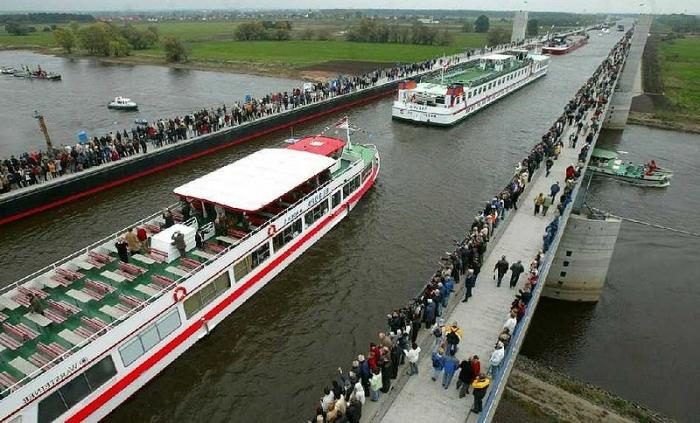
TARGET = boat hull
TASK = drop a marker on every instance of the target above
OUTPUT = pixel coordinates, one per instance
(651, 182)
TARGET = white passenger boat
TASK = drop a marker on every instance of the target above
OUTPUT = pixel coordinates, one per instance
(123, 103)
(82, 335)
(466, 89)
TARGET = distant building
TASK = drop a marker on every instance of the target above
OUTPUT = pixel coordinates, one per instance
(428, 21)
(519, 26)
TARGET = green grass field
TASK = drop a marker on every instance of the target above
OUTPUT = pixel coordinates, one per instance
(680, 73)
(214, 42)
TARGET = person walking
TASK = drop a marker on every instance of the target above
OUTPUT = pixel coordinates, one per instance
(554, 190)
(515, 270)
(438, 362)
(450, 367)
(465, 377)
(412, 357)
(469, 283)
(501, 268)
(548, 166)
(546, 204)
(479, 386)
(539, 200)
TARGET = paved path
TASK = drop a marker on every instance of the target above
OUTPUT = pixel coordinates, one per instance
(421, 399)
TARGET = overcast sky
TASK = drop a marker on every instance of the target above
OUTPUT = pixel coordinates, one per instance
(578, 6)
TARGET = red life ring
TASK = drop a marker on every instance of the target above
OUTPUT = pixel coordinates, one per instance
(179, 294)
(271, 230)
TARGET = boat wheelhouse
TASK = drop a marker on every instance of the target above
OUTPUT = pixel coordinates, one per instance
(80, 336)
(467, 88)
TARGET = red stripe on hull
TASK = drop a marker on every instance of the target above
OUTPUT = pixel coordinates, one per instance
(121, 384)
(112, 184)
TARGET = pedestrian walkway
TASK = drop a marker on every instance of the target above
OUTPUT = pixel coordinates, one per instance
(483, 316)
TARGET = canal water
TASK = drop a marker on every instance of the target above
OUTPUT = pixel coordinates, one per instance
(79, 101)
(640, 340)
(270, 360)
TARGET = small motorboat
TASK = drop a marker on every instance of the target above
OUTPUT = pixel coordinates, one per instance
(123, 103)
(141, 121)
(37, 73)
(607, 163)
(7, 70)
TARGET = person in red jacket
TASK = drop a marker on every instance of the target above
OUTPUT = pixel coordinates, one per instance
(570, 172)
(476, 366)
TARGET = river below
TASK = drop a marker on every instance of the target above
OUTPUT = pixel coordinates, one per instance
(79, 101)
(269, 361)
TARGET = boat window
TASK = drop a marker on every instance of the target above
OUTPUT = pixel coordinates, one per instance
(149, 337)
(260, 255)
(366, 171)
(51, 407)
(336, 199)
(440, 100)
(201, 298)
(316, 213)
(351, 187)
(287, 234)
(242, 268)
(470, 94)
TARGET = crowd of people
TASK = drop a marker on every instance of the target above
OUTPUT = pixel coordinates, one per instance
(39, 166)
(372, 372)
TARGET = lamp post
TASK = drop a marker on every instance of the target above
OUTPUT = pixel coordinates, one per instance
(42, 126)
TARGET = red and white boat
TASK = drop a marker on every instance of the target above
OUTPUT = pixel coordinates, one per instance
(563, 45)
(80, 336)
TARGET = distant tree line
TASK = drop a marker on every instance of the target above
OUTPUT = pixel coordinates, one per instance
(680, 23)
(43, 18)
(374, 31)
(105, 39)
(263, 30)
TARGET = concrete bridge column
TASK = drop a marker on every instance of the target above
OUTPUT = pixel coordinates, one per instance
(581, 263)
(619, 109)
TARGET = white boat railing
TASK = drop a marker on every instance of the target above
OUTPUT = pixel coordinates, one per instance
(151, 299)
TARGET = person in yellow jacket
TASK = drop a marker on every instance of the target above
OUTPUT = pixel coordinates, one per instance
(480, 385)
(133, 241)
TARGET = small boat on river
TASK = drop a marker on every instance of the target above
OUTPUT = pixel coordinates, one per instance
(563, 45)
(38, 73)
(123, 103)
(7, 70)
(607, 163)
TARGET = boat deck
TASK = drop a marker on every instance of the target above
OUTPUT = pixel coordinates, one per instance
(74, 310)
(87, 294)
(472, 75)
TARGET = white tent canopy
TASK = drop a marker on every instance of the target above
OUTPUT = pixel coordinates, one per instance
(257, 180)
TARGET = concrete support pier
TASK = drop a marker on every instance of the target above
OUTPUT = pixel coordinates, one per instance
(581, 264)
(619, 109)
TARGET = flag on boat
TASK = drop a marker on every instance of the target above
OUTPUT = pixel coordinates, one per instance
(343, 123)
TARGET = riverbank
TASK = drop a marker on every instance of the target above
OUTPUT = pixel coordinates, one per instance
(547, 395)
(671, 85)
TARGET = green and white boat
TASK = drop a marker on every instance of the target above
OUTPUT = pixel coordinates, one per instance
(608, 163)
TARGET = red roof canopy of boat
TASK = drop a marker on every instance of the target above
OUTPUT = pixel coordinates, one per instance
(325, 146)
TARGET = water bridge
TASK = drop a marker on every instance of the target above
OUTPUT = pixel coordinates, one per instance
(578, 254)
